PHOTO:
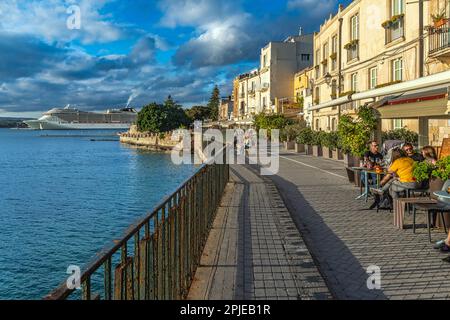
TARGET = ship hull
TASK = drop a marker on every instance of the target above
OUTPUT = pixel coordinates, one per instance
(48, 125)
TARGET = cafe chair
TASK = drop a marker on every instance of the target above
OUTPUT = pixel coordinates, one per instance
(430, 209)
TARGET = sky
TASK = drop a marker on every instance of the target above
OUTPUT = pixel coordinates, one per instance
(100, 54)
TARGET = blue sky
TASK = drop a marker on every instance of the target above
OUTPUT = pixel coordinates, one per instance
(146, 49)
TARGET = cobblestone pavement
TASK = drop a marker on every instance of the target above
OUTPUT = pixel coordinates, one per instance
(254, 250)
(345, 238)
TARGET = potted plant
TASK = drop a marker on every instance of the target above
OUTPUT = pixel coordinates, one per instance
(354, 134)
(422, 171)
(336, 152)
(439, 19)
(305, 138)
(317, 144)
(289, 134)
(440, 174)
(327, 143)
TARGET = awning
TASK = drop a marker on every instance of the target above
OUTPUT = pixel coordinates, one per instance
(425, 102)
(438, 79)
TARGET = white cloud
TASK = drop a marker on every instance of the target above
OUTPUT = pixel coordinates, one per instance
(48, 20)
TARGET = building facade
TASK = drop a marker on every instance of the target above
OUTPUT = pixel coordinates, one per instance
(373, 44)
(303, 93)
(269, 89)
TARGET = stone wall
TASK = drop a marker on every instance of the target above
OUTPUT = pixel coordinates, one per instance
(155, 141)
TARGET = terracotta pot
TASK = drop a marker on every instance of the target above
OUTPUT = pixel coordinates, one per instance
(317, 151)
(440, 23)
(300, 148)
(327, 153)
(289, 145)
(351, 161)
(337, 154)
(435, 185)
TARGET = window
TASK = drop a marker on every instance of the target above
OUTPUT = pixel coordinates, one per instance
(305, 57)
(317, 95)
(354, 79)
(352, 52)
(317, 124)
(354, 25)
(397, 69)
(325, 59)
(373, 78)
(318, 57)
(333, 124)
(334, 45)
(264, 61)
(264, 102)
(396, 7)
(398, 124)
(396, 30)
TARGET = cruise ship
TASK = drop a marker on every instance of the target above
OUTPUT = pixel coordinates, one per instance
(73, 119)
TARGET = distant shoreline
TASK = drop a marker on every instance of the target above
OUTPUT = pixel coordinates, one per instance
(9, 123)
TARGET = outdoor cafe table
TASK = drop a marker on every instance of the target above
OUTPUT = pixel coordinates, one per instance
(366, 173)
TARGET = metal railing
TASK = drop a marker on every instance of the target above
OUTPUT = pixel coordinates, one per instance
(157, 257)
(439, 38)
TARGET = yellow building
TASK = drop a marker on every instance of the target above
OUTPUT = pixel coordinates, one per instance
(372, 46)
(303, 93)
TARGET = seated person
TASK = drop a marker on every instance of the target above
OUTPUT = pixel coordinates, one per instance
(429, 154)
(410, 152)
(400, 177)
(444, 245)
(372, 158)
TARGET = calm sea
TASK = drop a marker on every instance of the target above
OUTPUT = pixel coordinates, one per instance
(64, 195)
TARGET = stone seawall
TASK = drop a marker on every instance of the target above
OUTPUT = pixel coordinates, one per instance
(154, 141)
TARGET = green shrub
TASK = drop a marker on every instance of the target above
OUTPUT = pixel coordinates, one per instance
(305, 136)
(354, 134)
(423, 170)
(442, 169)
(402, 135)
(291, 131)
(270, 122)
(330, 140)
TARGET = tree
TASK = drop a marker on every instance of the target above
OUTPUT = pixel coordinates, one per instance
(201, 113)
(354, 134)
(214, 103)
(161, 118)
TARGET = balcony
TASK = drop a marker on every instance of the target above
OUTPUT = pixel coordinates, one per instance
(242, 95)
(264, 87)
(439, 41)
(352, 50)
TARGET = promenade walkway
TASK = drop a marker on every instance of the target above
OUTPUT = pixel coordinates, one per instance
(345, 238)
(254, 250)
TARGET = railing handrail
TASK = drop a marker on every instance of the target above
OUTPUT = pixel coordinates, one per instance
(62, 291)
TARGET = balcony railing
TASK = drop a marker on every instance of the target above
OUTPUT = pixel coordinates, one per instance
(439, 39)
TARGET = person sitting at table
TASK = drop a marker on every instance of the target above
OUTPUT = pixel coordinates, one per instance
(400, 175)
(444, 245)
(429, 154)
(372, 157)
(411, 153)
